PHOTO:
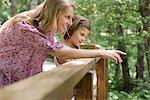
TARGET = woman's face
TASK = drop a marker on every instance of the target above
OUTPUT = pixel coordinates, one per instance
(79, 36)
(65, 20)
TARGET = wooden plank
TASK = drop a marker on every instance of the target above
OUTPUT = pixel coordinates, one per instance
(50, 85)
(101, 73)
(106, 78)
(88, 46)
(102, 79)
(91, 46)
(69, 95)
(84, 89)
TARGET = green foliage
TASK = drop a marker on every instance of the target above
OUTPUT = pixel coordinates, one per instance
(142, 88)
(105, 16)
(5, 11)
(22, 5)
(140, 91)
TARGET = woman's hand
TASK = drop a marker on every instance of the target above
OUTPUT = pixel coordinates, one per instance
(114, 54)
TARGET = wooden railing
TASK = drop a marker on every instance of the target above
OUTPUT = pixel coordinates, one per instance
(58, 83)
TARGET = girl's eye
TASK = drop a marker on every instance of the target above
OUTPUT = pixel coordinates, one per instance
(69, 17)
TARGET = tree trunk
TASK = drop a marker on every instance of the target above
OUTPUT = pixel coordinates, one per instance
(117, 73)
(147, 49)
(144, 10)
(13, 7)
(140, 61)
(32, 4)
(0, 3)
(127, 86)
(90, 8)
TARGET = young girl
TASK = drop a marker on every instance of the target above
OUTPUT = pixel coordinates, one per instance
(75, 35)
(27, 39)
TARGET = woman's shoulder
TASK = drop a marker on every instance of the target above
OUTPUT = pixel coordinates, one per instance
(15, 19)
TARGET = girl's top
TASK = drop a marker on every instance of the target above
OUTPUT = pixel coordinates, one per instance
(59, 61)
(23, 49)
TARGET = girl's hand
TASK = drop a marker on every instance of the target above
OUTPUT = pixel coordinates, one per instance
(114, 54)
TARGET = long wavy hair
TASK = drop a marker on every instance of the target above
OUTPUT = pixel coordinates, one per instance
(44, 16)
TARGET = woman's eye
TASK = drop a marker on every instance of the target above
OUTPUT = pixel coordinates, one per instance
(68, 17)
(82, 34)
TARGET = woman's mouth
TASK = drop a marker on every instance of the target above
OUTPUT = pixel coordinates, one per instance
(80, 41)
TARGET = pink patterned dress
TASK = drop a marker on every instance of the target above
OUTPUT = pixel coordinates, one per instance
(23, 49)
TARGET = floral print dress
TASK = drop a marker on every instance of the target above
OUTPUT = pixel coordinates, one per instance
(23, 49)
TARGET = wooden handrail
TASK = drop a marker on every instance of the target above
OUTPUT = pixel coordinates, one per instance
(55, 84)
(86, 83)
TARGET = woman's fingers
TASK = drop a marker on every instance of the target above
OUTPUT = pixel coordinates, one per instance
(118, 57)
(114, 58)
(120, 52)
(114, 54)
(117, 53)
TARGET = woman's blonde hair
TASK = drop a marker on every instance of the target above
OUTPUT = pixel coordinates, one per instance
(77, 22)
(46, 19)
(44, 16)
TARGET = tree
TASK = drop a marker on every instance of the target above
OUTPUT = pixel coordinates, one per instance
(144, 10)
(32, 4)
(127, 86)
(13, 7)
(140, 61)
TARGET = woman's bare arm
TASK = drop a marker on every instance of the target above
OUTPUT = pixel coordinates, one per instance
(70, 53)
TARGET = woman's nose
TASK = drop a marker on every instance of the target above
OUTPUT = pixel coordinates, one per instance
(69, 22)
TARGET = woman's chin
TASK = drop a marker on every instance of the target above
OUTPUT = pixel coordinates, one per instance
(61, 32)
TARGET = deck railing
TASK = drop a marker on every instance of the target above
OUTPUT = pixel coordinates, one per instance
(59, 83)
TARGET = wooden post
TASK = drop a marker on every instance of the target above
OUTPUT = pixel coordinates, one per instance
(101, 74)
(102, 79)
(84, 89)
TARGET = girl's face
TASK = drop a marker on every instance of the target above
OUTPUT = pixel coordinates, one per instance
(79, 36)
(65, 20)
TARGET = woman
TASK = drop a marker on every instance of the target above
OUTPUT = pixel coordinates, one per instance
(27, 39)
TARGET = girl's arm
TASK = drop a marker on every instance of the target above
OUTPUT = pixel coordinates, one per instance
(70, 53)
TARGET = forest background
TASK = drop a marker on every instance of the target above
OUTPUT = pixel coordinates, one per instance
(116, 24)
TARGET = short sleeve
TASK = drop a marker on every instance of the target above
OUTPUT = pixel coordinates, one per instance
(38, 39)
(54, 44)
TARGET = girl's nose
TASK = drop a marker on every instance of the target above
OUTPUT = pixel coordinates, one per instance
(83, 39)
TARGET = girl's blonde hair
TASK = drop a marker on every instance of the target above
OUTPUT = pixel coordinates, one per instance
(77, 22)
